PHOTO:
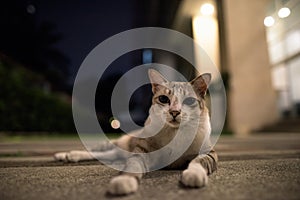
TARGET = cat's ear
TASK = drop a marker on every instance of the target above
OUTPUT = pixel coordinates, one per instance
(157, 80)
(200, 84)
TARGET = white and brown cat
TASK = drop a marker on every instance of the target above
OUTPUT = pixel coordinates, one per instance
(179, 106)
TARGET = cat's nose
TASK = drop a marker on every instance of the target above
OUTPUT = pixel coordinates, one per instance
(174, 113)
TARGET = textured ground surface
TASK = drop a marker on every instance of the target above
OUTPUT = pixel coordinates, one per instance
(257, 167)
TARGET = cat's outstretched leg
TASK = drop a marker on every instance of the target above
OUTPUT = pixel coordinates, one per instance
(76, 156)
(128, 181)
(104, 150)
(196, 175)
(73, 156)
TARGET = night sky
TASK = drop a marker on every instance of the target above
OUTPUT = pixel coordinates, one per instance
(60, 33)
(85, 24)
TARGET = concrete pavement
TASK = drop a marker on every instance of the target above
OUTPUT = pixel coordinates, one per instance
(256, 167)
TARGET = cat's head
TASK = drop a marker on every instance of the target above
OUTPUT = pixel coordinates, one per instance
(178, 102)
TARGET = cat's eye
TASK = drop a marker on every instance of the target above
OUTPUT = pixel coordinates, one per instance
(163, 99)
(189, 101)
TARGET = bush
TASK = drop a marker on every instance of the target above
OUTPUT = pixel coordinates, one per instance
(27, 105)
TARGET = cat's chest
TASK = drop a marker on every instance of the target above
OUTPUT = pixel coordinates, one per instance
(189, 144)
(159, 141)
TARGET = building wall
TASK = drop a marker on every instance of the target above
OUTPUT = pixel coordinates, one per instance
(283, 38)
(252, 100)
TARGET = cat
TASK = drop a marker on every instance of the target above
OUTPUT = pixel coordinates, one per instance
(176, 106)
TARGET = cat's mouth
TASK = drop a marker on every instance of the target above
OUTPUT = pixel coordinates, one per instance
(174, 122)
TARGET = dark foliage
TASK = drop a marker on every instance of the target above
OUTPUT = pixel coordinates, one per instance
(27, 105)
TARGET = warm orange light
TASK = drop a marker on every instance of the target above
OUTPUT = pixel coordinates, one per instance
(115, 124)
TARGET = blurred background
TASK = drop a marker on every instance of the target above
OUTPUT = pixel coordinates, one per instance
(255, 44)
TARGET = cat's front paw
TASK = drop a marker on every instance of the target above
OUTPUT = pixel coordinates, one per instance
(123, 185)
(194, 176)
